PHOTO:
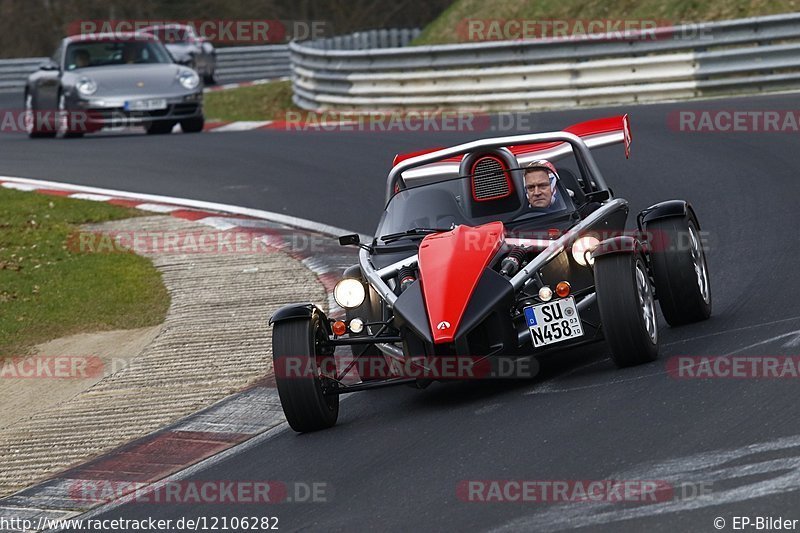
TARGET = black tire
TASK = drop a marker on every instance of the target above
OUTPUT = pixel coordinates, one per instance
(680, 270)
(210, 79)
(193, 125)
(37, 131)
(625, 300)
(159, 128)
(304, 404)
(65, 130)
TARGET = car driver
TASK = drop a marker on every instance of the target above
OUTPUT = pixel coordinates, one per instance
(540, 183)
(130, 53)
(81, 58)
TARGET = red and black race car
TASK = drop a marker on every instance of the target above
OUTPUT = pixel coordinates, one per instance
(494, 250)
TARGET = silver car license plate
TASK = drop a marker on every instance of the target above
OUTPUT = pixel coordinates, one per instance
(146, 105)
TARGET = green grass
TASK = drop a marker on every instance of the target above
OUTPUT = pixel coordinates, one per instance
(445, 29)
(48, 290)
(259, 102)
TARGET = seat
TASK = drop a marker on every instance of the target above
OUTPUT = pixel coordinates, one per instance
(574, 184)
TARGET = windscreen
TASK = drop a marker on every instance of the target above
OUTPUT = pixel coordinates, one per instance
(171, 34)
(441, 205)
(110, 53)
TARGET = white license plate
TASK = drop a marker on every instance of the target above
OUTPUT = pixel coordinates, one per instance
(553, 322)
(146, 105)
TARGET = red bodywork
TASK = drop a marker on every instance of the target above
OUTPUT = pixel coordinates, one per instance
(450, 265)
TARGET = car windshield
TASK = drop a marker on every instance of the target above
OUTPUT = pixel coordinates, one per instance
(108, 53)
(442, 204)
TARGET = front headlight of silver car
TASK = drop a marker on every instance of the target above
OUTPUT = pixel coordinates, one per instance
(86, 86)
(189, 79)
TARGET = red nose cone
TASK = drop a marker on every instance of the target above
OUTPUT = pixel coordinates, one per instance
(450, 266)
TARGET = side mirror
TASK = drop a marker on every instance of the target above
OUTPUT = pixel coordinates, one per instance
(49, 65)
(592, 202)
(597, 196)
(347, 240)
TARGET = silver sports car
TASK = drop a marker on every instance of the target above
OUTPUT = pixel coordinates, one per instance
(188, 48)
(98, 81)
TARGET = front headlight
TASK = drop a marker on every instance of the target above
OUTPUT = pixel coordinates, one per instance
(86, 86)
(582, 250)
(349, 293)
(189, 79)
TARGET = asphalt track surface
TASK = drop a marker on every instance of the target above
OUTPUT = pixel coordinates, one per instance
(396, 456)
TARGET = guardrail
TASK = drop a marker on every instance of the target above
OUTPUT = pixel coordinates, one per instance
(14, 72)
(238, 63)
(736, 56)
(367, 40)
(242, 63)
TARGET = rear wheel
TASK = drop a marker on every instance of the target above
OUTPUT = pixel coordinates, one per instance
(302, 367)
(627, 308)
(159, 128)
(680, 270)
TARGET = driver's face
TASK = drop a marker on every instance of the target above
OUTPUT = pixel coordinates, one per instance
(537, 187)
(129, 53)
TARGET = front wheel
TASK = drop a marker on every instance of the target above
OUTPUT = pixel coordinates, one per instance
(627, 308)
(159, 128)
(193, 125)
(680, 271)
(34, 123)
(303, 365)
(66, 121)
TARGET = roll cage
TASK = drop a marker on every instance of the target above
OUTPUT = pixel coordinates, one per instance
(610, 131)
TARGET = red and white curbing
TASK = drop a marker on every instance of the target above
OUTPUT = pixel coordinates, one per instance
(241, 420)
(242, 125)
(248, 125)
